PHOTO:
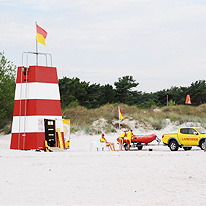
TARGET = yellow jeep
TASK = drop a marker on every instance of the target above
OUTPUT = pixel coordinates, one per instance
(186, 138)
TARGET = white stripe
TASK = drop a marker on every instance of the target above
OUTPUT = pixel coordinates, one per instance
(37, 91)
(34, 123)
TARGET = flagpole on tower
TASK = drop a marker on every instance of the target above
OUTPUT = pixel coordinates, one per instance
(36, 47)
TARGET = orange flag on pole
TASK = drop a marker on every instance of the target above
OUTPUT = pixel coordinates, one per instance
(188, 100)
(41, 35)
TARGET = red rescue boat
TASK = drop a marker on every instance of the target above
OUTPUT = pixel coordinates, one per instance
(141, 138)
(144, 138)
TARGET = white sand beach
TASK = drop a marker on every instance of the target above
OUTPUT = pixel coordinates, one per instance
(80, 177)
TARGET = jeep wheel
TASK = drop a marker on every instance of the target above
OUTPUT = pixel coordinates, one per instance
(187, 148)
(139, 147)
(202, 144)
(173, 145)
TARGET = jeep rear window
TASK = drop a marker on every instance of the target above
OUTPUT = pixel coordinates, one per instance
(202, 131)
(184, 130)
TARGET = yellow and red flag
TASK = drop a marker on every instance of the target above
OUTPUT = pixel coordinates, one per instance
(41, 35)
(120, 114)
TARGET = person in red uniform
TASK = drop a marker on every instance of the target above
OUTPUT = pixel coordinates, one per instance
(110, 144)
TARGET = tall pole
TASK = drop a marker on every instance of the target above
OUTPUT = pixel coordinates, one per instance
(120, 141)
(36, 47)
(167, 99)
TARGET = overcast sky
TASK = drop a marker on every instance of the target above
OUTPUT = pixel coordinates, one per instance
(161, 43)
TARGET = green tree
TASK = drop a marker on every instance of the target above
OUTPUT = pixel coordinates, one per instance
(177, 94)
(124, 92)
(197, 92)
(107, 94)
(160, 98)
(72, 90)
(93, 96)
(7, 89)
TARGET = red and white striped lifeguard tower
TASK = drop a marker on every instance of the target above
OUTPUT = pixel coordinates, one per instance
(37, 112)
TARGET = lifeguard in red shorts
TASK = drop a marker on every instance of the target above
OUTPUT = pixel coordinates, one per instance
(121, 139)
(129, 139)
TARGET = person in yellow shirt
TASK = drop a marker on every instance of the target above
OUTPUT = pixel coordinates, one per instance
(129, 139)
(121, 139)
(110, 144)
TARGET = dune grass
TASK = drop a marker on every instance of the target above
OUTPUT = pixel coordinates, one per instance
(82, 118)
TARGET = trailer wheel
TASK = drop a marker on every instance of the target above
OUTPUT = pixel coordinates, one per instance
(173, 145)
(139, 147)
(125, 147)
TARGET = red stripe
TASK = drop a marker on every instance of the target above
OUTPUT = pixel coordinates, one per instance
(38, 107)
(30, 141)
(41, 31)
(120, 111)
(38, 74)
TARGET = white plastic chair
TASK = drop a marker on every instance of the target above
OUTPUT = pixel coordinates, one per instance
(98, 146)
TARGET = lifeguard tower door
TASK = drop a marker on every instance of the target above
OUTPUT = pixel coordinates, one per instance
(50, 136)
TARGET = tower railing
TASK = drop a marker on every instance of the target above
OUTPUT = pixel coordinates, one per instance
(35, 53)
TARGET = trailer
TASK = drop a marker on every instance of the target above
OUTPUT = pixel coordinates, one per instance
(138, 141)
